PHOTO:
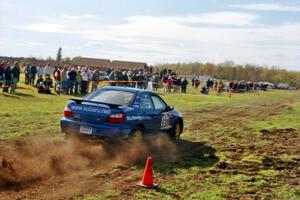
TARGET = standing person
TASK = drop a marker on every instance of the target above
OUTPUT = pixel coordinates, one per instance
(72, 80)
(209, 84)
(90, 75)
(145, 80)
(27, 73)
(125, 79)
(155, 82)
(95, 79)
(7, 77)
(84, 81)
(220, 87)
(1, 72)
(55, 69)
(165, 84)
(15, 76)
(40, 71)
(47, 70)
(184, 84)
(174, 81)
(64, 80)
(33, 71)
(78, 81)
(134, 79)
(140, 77)
(215, 87)
(179, 82)
(57, 79)
(165, 72)
(193, 82)
(119, 78)
(150, 85)
(197, 83)
(169, 83)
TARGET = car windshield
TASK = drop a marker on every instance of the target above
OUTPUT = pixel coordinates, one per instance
(111, 97)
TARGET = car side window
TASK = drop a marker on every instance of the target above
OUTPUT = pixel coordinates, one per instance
(158, 103)
(145, 101)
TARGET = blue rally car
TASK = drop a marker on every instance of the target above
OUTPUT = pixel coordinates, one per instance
(120, 113)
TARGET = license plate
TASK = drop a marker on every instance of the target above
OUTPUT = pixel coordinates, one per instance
(86, 130)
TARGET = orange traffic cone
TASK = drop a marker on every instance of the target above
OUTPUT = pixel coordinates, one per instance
(291, 101)
(147, 181)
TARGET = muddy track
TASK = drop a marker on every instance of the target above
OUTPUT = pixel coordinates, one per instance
(43, 167)
(268, 146)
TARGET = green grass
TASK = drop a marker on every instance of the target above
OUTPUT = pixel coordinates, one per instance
(290, 118)
(228, 136)
(26, 113)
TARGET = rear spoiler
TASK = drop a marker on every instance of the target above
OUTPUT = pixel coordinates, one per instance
(79, 101)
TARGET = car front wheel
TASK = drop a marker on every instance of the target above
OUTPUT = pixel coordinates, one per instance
(176, 130)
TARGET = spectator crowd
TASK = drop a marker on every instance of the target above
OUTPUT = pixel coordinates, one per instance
(82, 79)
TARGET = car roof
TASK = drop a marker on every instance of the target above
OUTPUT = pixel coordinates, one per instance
(126, 89)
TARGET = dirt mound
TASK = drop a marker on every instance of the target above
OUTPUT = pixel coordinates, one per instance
(33, 159)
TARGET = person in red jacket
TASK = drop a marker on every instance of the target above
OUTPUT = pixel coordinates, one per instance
(57, 78)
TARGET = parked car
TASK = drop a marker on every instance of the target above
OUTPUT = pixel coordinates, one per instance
(103, 76)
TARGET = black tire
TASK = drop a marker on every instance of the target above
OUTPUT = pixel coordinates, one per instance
(138, 133)
(176, 130)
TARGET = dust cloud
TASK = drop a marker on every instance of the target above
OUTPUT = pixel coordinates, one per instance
(33, 159)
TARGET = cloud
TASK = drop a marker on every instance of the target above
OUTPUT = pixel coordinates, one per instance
(160, 39)
(214, 37)
(268, 7)
(94, 44)
(213, 18)
(43, 27)
(76, 17)
(31, 44)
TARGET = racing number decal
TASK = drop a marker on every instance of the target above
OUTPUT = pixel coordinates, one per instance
(165, 122)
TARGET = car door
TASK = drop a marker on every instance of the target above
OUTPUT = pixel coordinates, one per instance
(161, 117)
(147, 111)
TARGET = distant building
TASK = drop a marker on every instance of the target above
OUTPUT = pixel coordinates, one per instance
(84, 61)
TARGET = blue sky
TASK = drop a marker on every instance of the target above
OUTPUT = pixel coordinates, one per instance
(155, 31)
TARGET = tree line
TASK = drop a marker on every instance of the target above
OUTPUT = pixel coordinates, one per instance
(230, 71)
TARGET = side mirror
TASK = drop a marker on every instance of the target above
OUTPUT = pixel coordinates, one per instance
(169, 108)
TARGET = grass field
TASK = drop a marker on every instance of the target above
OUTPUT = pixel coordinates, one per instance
(243, 147)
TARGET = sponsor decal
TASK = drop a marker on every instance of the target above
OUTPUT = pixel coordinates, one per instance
(96, 104)
(130, 118)
(91, 109)
(165, 122)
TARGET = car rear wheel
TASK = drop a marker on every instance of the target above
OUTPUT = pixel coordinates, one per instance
(138, 134)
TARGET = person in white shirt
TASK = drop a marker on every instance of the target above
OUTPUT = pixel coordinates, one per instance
(90, 76)
(84, 81)
(40, 70)
(47, 70)
(150, 85)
